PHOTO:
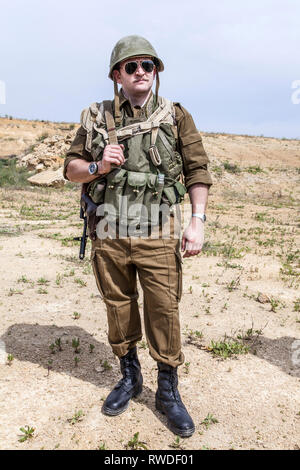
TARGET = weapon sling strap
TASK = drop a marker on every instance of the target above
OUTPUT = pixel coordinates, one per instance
(110, 123)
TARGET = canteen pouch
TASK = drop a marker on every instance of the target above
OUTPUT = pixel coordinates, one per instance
(96, 190)
(152, 200)
(116, 180)
(132, 203)
(180, 191)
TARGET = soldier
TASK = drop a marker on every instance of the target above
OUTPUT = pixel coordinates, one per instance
(136, 148)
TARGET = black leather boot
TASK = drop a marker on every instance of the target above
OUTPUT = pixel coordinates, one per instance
(129, 386)
(168, 402)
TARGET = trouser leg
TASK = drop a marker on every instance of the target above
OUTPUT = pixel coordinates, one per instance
(159, 268)
(116, 280)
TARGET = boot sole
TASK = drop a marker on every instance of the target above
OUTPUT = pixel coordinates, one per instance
(178, 432)
(112, 412)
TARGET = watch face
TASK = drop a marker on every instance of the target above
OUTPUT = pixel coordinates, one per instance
(93, 168)
(204, 217)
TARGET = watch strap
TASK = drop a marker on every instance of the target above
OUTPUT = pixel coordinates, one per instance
(199, 216)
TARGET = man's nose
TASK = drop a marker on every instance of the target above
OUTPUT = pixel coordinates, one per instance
(140, 70)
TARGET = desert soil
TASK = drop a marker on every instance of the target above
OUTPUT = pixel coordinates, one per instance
(247, 401)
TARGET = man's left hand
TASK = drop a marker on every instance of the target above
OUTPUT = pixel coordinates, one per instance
(193, 238)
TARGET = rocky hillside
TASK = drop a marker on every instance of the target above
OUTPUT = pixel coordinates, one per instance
(18, 136)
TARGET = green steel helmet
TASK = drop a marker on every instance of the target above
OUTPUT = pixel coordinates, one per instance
(131, 46)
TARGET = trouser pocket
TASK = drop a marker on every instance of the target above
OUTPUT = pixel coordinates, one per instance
(96, 269)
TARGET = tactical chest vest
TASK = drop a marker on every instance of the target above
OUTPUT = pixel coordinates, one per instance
(132, 193)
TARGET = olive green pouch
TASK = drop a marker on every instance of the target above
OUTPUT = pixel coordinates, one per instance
(181, 190)
(152, 200)
(170, 195)
(133, 197)
(96, 190)
(116, 180)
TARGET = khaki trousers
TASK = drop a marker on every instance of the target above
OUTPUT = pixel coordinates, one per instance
(157, 262)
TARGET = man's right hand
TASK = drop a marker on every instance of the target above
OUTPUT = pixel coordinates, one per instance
(112, 155)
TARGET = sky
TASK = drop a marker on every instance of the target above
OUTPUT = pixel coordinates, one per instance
(231, 64)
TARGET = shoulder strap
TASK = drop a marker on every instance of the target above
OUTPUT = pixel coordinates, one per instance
(110, 123)
(90, 116)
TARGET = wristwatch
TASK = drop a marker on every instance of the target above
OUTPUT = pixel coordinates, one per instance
(93, 168)
(200, 216)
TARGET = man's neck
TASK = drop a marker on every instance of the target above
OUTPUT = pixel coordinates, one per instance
(137, 100)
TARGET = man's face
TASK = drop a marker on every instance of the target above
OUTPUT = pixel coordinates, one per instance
(138, 83)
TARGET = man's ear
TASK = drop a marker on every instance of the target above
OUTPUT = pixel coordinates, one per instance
(117, 76)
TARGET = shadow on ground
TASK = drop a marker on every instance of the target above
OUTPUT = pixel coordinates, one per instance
(31, 343)
(281, 352)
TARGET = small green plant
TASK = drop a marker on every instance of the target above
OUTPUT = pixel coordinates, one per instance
(76, 360)
(135, 444)
(49, 366)
(260, 216)
(231, 167)
(28, 433)
(106, 365)
(76, 315)
(25, 280)
(52, 348)
(233, 284)
(42, 281)
(42, 290)
(102, 446)
(78, 416)
(80, 282)
(143, 345)
(225, 349)
(187, 367)
(58, 279)
(58, 344)
(209, 420)
(10, 358)
(249, 334)
(254, 169)
(297, 305)
(75, 345)
(274, 304)
(176, 444)
(194, 335)
(92, 347)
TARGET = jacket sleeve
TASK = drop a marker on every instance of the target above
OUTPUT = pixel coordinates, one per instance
(77, 150)
(195, 160)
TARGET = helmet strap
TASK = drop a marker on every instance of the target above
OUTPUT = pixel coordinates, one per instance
(156, 87)
(117, 104)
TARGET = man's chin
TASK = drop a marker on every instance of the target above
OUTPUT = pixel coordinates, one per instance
(141, 89)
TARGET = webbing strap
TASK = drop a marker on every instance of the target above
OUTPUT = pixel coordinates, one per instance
(117, 104)
(110, 123)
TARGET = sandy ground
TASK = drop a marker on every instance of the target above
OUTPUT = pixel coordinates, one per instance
(251, 401)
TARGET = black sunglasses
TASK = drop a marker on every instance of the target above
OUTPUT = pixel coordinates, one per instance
(131, 67)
